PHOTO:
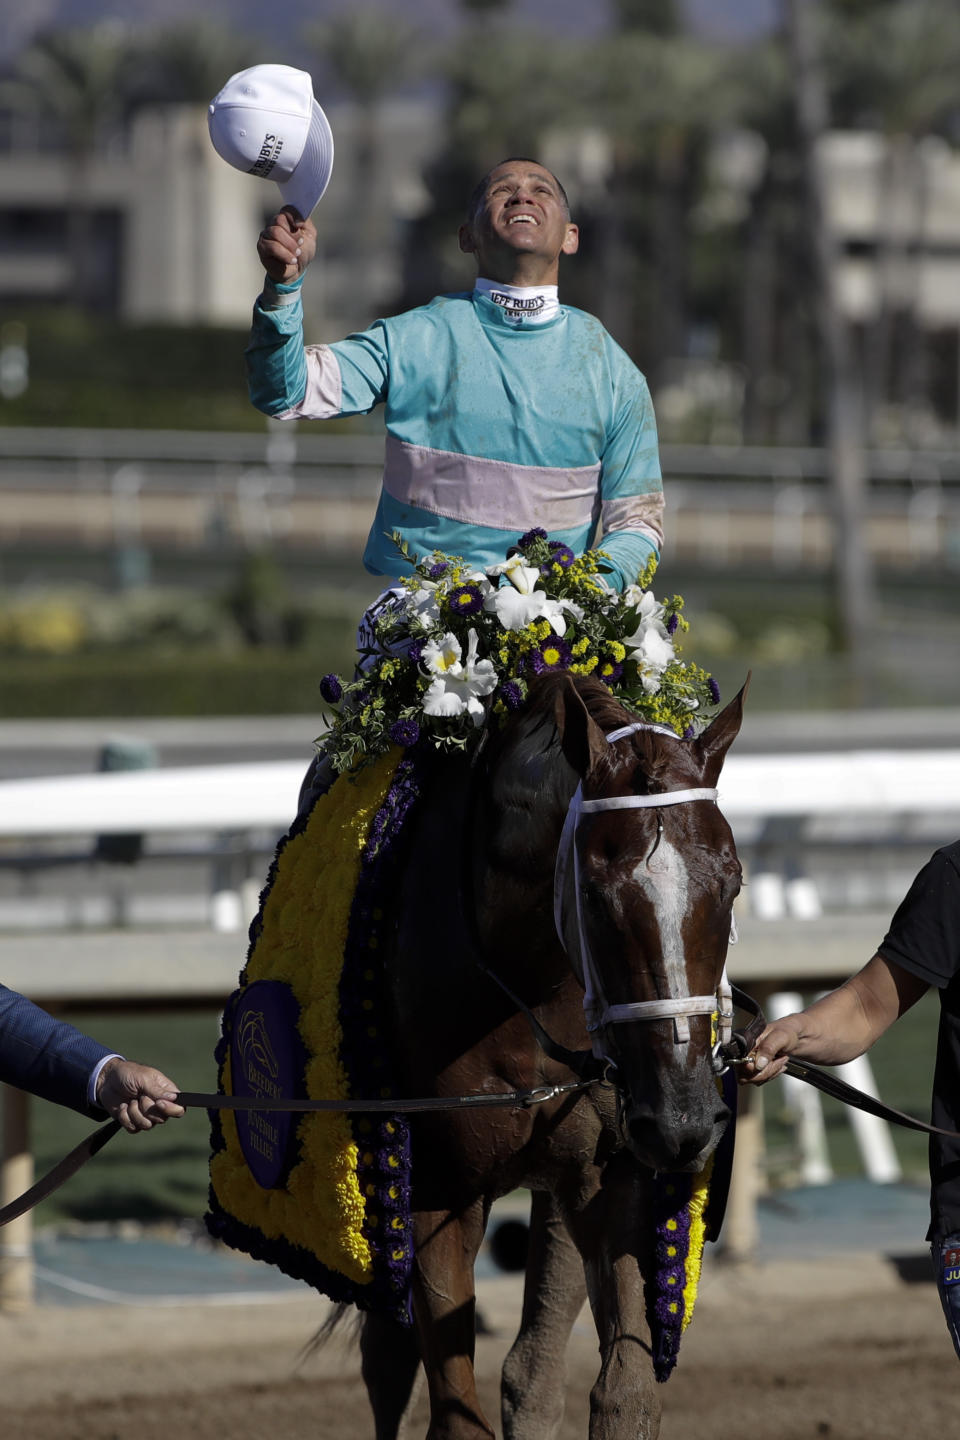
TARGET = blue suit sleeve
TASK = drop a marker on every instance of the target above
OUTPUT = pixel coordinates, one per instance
(44, 1056)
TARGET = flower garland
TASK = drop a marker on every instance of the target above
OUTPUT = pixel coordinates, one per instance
(341, 1218)
(452, 643)
(680, 1203)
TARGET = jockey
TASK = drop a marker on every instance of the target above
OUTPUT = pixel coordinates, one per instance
(504, 409)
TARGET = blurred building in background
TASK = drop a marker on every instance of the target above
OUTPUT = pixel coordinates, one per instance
(169, 230)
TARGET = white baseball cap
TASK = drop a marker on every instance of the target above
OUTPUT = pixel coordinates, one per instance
(266, 122)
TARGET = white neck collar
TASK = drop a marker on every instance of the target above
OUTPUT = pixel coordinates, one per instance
(522, 304)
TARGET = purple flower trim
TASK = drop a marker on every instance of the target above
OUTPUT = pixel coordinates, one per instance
(383, 1169)
(609, 671)
(404, 732)
(527, 539)
(714, 689)
(331, 689)
(672, 624)
(415, 651)
(437, 570)
(665, 1302)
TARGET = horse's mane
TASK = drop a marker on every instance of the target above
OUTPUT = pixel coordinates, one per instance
(533, 741)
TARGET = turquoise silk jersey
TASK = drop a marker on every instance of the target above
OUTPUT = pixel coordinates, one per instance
(494, 426)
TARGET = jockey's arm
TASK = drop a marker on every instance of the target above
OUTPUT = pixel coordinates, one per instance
(631, 488)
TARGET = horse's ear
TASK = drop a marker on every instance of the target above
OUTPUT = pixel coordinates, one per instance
(720, 734)
(581, 739)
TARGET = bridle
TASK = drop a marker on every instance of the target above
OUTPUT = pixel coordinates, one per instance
(598, 1012)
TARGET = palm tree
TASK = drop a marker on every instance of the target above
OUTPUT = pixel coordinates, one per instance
(76, 78)
(856, 602)
(894, 70)
(370, 54)
(659, 96)
(189, 61)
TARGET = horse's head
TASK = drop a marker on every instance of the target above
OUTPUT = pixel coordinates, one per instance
(647, 875)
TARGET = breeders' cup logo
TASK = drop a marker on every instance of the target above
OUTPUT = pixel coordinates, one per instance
(259, 1061)
(268, 157)
(266, 1062)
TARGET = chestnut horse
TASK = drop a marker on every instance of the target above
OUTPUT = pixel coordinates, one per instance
(647, 876)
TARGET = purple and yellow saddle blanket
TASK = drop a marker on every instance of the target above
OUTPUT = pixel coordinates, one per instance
(324, 1196)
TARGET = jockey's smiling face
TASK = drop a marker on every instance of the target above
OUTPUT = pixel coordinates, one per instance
(519, 225)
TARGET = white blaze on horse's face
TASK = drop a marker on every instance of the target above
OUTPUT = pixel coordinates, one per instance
(664, 881)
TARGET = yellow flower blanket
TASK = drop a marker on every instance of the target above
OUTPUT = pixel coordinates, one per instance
(329, 1202)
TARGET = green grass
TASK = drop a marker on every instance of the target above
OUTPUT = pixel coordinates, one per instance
(163, 1174)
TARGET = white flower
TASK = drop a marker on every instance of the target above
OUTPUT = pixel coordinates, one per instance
(514, 610)
(422, 603)
(522, 577)
(652, 655)
(644, 600)
(572, 608)
(655, 650)
(478, 578)
(439, 656)
(459, 682)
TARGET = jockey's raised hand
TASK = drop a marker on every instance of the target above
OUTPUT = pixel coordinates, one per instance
(286, 245)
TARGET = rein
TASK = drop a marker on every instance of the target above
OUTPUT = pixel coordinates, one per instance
(195, 1100)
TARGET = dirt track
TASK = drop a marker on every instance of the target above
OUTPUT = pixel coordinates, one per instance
(839, 1348)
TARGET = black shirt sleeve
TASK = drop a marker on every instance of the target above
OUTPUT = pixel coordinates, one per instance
(924, 934)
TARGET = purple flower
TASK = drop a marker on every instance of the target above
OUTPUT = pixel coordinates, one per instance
(404, 732)
(465, 600)
(674, 1225)
(535, 534)
(511, 694)
(331, 689)
(669, 1310)
(561, 555)
(440, 568)
(689, 733)
(415, 651)
(671, 1279)
(670, 1252)
(672, 624)
(551, 654)
(609, 670)
(714, 689)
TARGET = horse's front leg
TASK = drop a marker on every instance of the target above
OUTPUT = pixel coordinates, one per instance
(444, 1308)
(534, 1372)
(610, 1233)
